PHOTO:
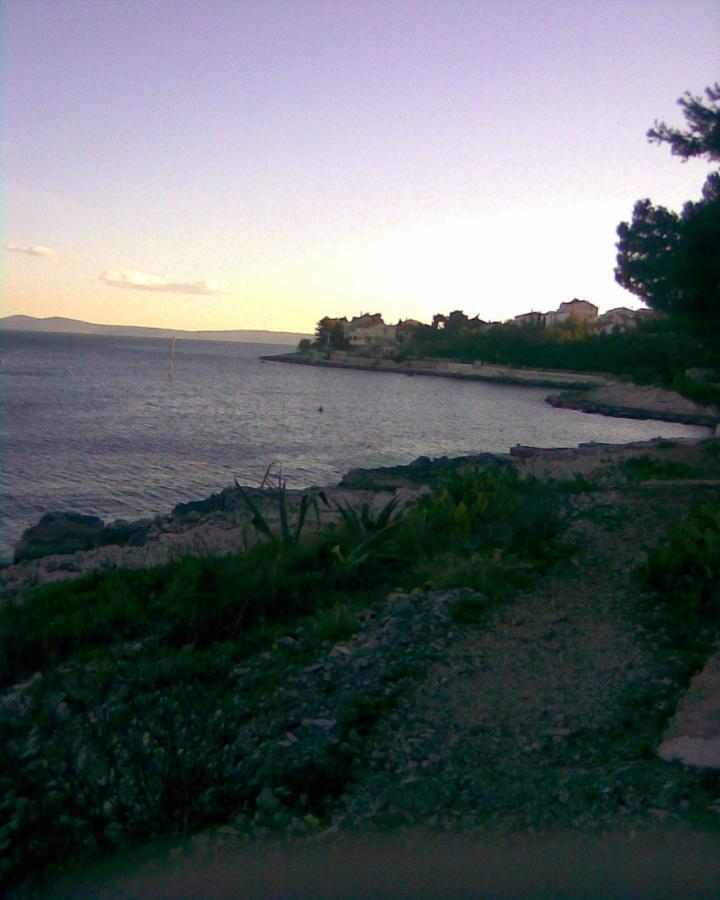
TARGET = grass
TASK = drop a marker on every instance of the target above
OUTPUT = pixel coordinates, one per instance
(644, 468)
(129, 731)
(338, 622)
(608, 515)
(683, 574)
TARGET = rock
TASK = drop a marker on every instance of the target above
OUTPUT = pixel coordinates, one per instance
(693, 734)
(70, 532)
(59, 532)
(325, 724)
(126, 534)
(266, 801)
(219, 502)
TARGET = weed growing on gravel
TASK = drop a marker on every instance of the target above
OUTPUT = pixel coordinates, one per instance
(484, 510)
(609, 516)
(337, 622)
(195, 601)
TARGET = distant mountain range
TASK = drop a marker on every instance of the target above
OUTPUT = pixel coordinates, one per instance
(75, 326)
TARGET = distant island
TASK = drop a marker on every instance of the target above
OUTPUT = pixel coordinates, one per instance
(61, 325)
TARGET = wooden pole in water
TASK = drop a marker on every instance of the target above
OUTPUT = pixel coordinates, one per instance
(171, 361)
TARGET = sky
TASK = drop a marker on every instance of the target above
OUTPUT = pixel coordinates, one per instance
(202, 164)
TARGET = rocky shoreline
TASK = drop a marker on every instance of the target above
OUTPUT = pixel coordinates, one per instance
(67, 545)
(635, 401)
(214, 526)
(589, 392)
(442, 368)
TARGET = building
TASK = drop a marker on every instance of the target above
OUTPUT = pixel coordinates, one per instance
(531, 318)
(369, 331)
(457, 322)
(580, 310)
(620, 318)
(405, 329)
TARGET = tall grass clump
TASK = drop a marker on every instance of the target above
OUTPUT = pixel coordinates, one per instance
(485, 510)
(195, 601)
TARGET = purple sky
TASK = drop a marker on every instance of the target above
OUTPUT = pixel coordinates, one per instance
(261, 164)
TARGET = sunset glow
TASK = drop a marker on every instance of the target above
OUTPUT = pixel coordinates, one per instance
(261, 164)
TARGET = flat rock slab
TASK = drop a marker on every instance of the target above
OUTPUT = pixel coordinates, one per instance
(693, 736)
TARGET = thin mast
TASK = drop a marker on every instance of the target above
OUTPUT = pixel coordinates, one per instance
(171, 361)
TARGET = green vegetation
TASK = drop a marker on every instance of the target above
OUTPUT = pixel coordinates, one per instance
(644, 468)
(128, 727)
(653, 352)
(684, 571)
(671, 260)
(329, 334)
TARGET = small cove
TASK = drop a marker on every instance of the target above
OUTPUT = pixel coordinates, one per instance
(94, 423)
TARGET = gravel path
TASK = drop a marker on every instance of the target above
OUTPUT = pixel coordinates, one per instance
(528, 722)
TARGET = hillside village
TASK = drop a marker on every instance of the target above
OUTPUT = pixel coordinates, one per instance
(368, 334)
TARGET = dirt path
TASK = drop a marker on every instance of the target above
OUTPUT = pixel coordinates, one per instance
(539, 718)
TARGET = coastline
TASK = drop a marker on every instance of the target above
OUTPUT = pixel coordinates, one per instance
(64, 544)
(441, 368)
(219, 524)
(589, 392)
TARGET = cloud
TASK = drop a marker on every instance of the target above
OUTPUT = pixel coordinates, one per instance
(44, 252)
(137, 281)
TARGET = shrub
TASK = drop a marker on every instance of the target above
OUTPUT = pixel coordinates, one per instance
(90, 760)
(470, 609)
(642, 468)
(684, 570)
(480, 510)
(336, 622)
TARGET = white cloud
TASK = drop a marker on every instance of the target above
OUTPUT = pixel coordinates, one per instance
(44, 252)
(138, 281)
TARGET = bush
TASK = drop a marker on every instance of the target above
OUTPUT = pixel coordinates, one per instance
(90, 760)
(684, 570)
(481, 510)
(642, 468)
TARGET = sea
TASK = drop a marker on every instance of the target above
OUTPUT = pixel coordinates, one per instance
(96, 424)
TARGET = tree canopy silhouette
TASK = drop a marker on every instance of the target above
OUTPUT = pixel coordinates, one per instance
(703, 135)
(672, 260)
(329, 333)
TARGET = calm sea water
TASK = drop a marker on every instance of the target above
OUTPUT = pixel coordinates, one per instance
(94, 424)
